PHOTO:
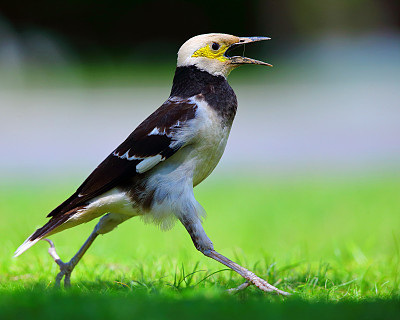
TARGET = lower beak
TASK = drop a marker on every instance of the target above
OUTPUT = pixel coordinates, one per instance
(238, 60)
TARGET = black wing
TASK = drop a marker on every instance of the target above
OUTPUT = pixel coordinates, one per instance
(151, 139)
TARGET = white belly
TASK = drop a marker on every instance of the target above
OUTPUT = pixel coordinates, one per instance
(174, 179)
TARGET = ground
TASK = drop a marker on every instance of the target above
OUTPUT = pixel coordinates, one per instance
(333, 242)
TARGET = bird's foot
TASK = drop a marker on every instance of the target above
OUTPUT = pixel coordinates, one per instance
(65, 268)
(259, 283)
(250, 277)
(265, 286)
(243, 286)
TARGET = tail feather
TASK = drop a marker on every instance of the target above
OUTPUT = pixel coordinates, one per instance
(42, 232)
(25, 246)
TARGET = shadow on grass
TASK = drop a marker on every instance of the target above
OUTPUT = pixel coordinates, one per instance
(113, 300)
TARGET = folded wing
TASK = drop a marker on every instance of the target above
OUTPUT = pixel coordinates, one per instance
(154, 140)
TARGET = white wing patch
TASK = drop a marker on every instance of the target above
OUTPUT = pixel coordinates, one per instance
(148, 163)
(126, 156)
(180, 133)
(156, 131)
(144, 165)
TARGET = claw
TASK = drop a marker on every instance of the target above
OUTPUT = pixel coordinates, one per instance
(243, 286)
(261, 284)
(265, 286)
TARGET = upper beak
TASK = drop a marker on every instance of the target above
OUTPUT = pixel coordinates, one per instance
(243, 60)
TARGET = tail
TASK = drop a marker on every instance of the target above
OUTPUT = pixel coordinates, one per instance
(44, 231)
(25, 246)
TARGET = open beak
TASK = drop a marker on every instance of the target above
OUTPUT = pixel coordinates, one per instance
(238, 60)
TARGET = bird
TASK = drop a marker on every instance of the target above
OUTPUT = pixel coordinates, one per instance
(153, 172)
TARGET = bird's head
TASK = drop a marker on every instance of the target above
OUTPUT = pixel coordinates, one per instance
(211, 53)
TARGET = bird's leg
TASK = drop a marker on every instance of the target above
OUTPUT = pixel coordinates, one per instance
(248, 275)
(204, 245)
(106, 224)
(66, 268)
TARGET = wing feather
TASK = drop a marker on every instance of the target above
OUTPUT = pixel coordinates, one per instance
(153, 141)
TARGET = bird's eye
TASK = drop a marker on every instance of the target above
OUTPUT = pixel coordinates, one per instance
(215, 46)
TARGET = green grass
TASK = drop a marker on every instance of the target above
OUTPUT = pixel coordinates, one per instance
(334, 243)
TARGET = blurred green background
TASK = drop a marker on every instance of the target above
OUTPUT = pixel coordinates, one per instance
(76, 77)
(311, 170)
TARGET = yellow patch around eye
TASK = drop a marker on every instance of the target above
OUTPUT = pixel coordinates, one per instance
(207, 52)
